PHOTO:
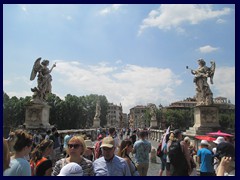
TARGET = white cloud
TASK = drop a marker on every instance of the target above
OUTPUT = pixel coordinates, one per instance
(220, 21)
(207, 49)
(224, 82)
(119, 61)
(130, 85)
(110, 9)
(169, 16)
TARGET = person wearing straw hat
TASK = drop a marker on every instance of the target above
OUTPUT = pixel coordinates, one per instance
(89, 153)
(205, 159)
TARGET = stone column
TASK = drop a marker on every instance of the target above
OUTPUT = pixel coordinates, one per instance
(96, 122)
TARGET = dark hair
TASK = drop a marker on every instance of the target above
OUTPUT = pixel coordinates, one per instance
(54, 129)
(225, 149)
(111, 130)
(23, 139)
(143, 133)
(177, 132)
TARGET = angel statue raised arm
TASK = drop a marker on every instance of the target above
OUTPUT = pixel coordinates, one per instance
(204, 94)
(44, 87)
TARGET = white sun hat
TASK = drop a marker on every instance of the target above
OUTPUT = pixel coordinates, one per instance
(71, 169)
(219, 140)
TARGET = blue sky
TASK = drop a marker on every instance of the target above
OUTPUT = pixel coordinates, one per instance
(133, 54)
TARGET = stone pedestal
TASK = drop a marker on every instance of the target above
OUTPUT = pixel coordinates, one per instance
(206, 120)
(153, 123)
(37, 116)
(96, 122)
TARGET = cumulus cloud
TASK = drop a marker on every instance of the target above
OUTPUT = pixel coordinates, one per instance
(207, 49)
(224, 82)
(130, 85)
(110, 9)
(169, 16)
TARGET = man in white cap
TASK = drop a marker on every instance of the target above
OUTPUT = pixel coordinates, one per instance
(110, 164)
(71, 169)
(205, 159)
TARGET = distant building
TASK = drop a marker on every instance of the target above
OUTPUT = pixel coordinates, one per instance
(136, 116)
(114, 115)
(185, 104)
(224, 105)
(222, 102)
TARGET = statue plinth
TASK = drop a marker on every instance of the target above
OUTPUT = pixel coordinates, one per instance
(96, 122)
(153, 123)
(37, 116)
(206, 120)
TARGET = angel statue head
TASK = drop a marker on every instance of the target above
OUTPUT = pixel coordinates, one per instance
(44, 86)
(45, 62)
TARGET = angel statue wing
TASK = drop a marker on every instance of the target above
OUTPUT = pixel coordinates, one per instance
(212, 71)
(36, 67)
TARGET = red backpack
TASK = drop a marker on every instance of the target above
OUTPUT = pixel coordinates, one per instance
(98, 151)
(159, 150)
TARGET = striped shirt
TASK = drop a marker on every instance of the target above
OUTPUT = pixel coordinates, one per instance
(86, 165)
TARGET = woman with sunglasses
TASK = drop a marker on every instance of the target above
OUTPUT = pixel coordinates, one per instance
(76, 148)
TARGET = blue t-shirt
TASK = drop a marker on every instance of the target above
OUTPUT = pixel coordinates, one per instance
(18, 167)
(206, 159)
(142, 148)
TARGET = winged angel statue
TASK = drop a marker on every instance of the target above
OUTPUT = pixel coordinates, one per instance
(44, 87)
(204, 94)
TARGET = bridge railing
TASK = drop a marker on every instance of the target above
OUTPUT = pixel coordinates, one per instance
(155, 134)
(91, 132)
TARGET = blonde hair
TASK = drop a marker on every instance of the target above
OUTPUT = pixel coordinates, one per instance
(81, 140)
(187, 140)
(6, 155)
(123, 147)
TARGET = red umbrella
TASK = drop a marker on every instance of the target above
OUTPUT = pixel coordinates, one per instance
(219, 133)
(203, 137)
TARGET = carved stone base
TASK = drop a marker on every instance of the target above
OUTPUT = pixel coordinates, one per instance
(96, 123)
(37, 116)
(206, 120)
(153, 124)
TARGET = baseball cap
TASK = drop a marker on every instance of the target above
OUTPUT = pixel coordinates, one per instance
(177, 132)
(204, 142)
(108, 142)
(71, 169)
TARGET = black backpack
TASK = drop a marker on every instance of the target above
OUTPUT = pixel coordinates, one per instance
(175, 153)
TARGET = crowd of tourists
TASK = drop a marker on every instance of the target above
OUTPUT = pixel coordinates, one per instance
(180, 157)
(34, 154)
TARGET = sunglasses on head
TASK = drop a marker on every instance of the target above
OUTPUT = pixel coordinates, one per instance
(75, 146)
